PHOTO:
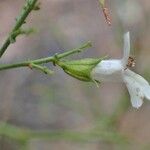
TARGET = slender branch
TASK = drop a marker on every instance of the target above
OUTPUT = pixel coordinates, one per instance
(44, 69)
(27, 8)
(46, 59)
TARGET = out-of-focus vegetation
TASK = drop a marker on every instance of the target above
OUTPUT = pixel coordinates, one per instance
(59, 112)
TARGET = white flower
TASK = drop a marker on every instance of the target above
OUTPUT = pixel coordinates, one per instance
(116, 70)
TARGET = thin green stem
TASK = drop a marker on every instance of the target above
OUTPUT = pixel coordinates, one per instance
(27, 8)
(41, 68)
(46, 59)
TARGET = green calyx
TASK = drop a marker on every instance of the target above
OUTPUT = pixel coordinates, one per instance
(80, 69)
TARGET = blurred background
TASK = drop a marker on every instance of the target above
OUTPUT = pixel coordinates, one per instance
(42, 112)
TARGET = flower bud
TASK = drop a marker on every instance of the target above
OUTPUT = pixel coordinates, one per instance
(79, 69)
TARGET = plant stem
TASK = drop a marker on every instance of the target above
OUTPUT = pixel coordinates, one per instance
(27, 8)
(46, 59)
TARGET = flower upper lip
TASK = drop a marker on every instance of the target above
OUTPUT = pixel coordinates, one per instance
(117, 70)
(126, 49)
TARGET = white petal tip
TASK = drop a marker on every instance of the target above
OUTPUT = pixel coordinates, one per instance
(137, 103)
(127, 36)
(127, 33)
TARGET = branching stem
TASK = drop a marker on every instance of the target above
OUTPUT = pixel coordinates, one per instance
(27, 8)
(46, 59)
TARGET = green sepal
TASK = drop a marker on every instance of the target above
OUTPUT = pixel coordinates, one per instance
(80, 69)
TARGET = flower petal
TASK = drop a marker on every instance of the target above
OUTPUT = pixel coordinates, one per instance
(146, 90)
(136, 76)
(135, 91)
(108, 70)
(126, 49)
(139, 79)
